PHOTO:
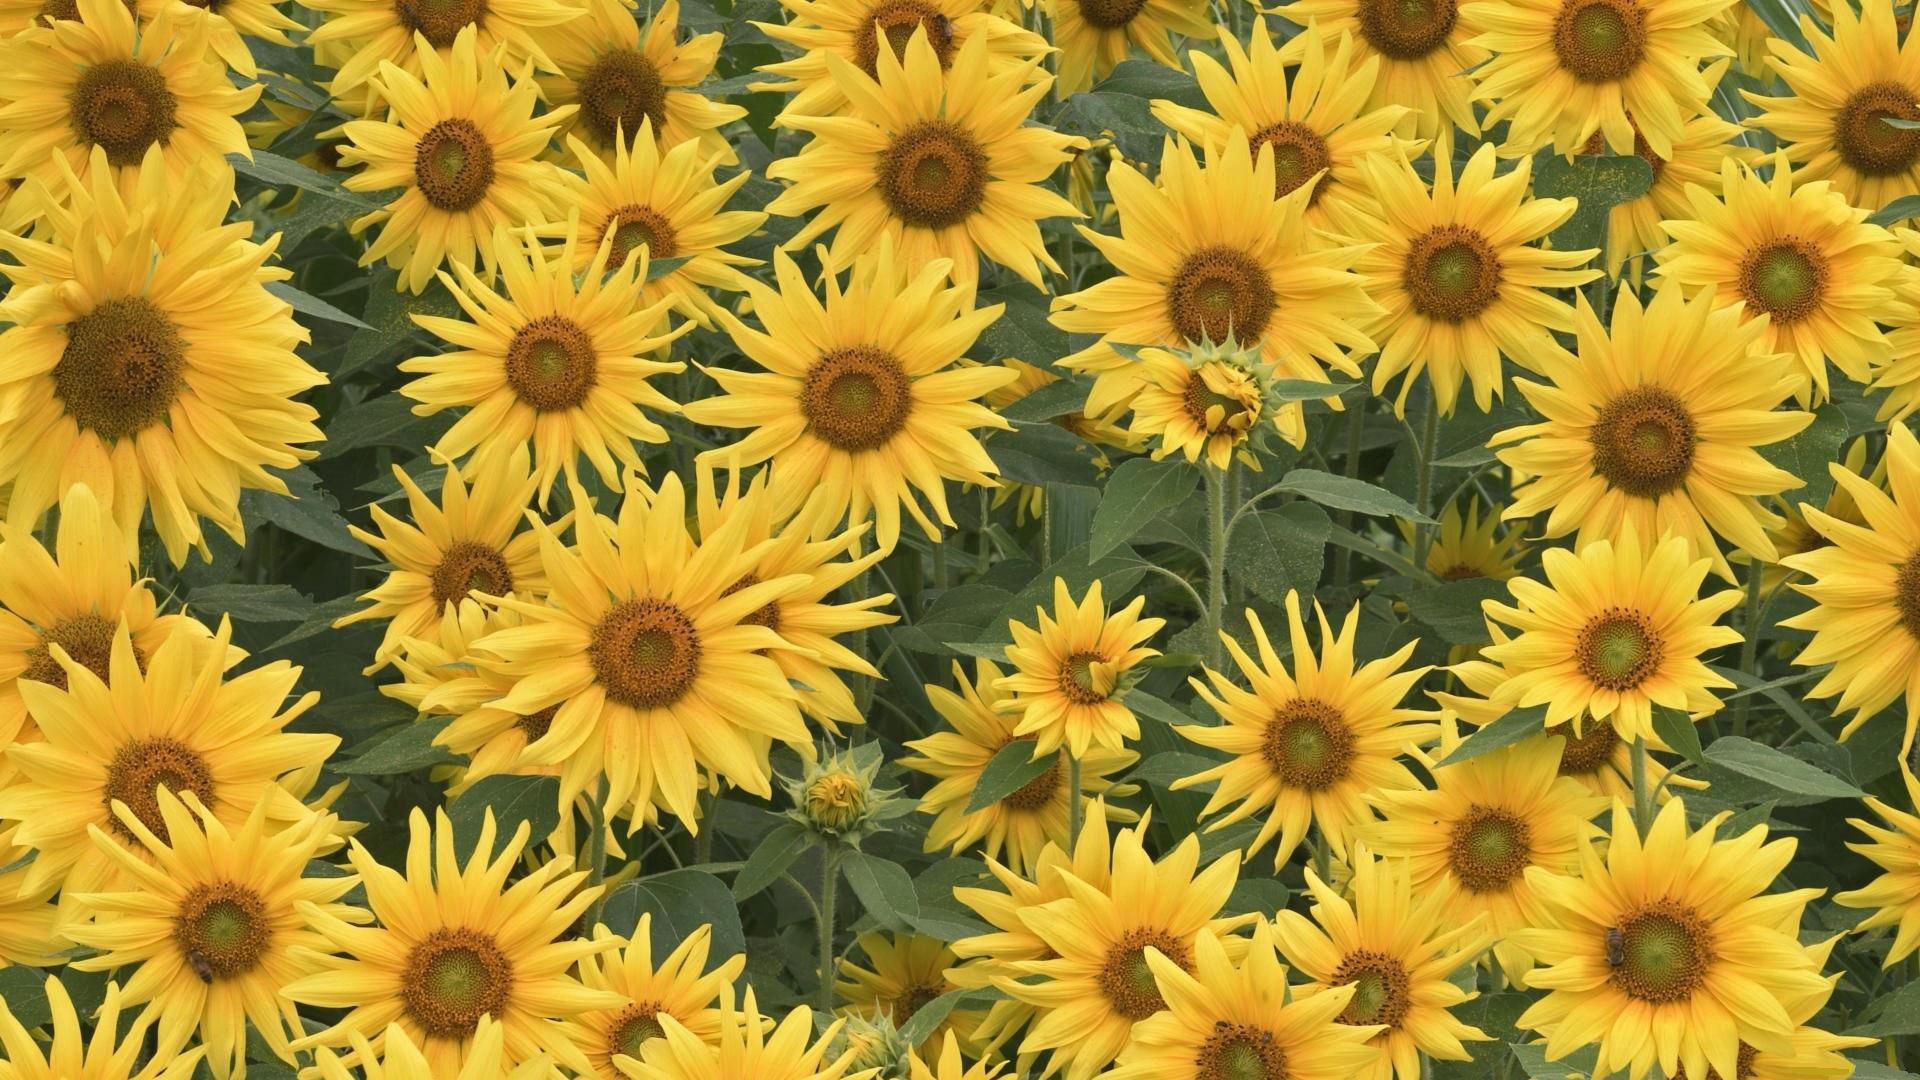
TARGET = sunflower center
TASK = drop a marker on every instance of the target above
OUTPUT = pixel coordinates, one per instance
(646, 653)
(123, 107)
(1220, 292)
(767, 614)
(1240, 1052)
(896, 20)
(1664, 950)
(470, 567)
(1451, 273)
(1407, 29)
(916, 997)
(1600, 41)
(1077, 680)
(1299, 154)
(1128, 981)
(1906, 595)
(1490, 848)
(634, 227)
(1643, 442)
(632, 1027)
(88, 641)
(551, 364)
(122, 369)
(1785, 278)
(535, 725)
(52, 11)
(1308, 745)
(1618, 649)
(621, 89)
(224, 926)
(1200, 398)
(1037, 793)
(137, 772)
(1590, 750)
(1744, 1066)
(1866, 141)
(440, 20)
(453, 165)
(1380, 988)
(453, 978)
(857, 398)
(933, 175)
(1110, 14)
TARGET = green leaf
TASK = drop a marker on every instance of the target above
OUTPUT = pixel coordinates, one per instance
(382, 420)
(1043, 454)
(405, 749)
(1012, 768)
(1897, 211)
(1453, 608)
(1782, 772)
(931, 1015)
(1516, 726)
(1147, 79)
(1346, 493)
(1533, 1061)
(1309, 390)
(884, 887)
(513, 799)
(1599, 181)
(1023, 331)
(389, 319)
(1138, 491)
(1897, 1013)
(323, 204)
(1783, 18)
(250, 603)
(770, 858)
(308, 304)
(1806, 454)
(24, 989)
(1874, 1070)
(680, 902)
(1274, 551)
(1676, 729)
(1064, 397)
(308, 511)
(659, 268)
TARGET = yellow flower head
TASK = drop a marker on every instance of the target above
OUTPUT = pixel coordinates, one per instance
(1467, 545)
(1093, 36)
(907, 972)
(1423, 50)
(403, 1060)
(1070, 673)
(681, 986)
(632, 85)
(29, 923)
(1207, 402)
(367, 35)
(747, 1045)
(1894, 896)
(110, 1054)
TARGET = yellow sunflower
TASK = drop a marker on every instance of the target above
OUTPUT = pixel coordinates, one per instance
(747, 1045)
(402, 1060)
(632, 85)
(558, 362)
(470, 542)
(1398, 955)
(1188, 274)
(940, 162)
(111, 1053)
(29, 923)
(1461, 276)
(1019, 827)
(1894, 896)
(362, 36)
(1309, 747)
(1832, 121)
(1070, 672)
(212, 922)
(1467, 545)
(1565, 69)
(908, 971)
(463, 149)
(1424, 48)
(1796, 535)
(1093, 36)
(1203, 403)
(455, 944)
(950, 1066)
(148, 360)
(1800, 255)
(101, 83)
(1654, 426)
(1320, 127)
(1708, 959)
(858, 403)
(681, 986)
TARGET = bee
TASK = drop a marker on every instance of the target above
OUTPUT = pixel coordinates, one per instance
(1616, 947)
(201, 966)
(939, 27)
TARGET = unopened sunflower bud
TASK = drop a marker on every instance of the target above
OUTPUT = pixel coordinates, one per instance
(837, 796)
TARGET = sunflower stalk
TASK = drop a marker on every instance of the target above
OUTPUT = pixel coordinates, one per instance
(597, 850)
(1642, 794)
(1076, 808)
(1356, 433)
(829, 886)
(1750, 647)
(1216, 565)
(1423, 533)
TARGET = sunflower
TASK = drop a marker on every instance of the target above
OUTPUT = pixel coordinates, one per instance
(1866, 592)
(909, 970)
(1070, 674)
(1709, 959)
(950, 1066)
(1207, 402)
(470, 542)
(1832, 122)
(666, 203)
(858, 403)
(941, 162)
(646, 661)
(1309, 746)
(681, 987)
(1467, 545)
(110, 1054)
(1020, 826)
(486, 1059)
(1189, 275)
(746, 1045)
(1796, 535)
(855, 30)
(1093, 36)
(96, 83)
(1894, 896)
(1397, 954)
(462, 147)
(1565, 69)
(151, 731)
(1484, 822)
(226, 25)
(148, 359)
(1424, 46)
(366, 35)
(29, 924)
(212, 923)
(1320, 127)
(558, 362)
(1654, 426)
(453, 946)
(631, 85)
(1800, 255)
(1460, 275)
(1227, 1019)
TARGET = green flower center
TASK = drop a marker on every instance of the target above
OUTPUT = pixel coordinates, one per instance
(857, 398)
(1490, 848)
(1785, 278)
(1407, 29)
(1380, 988)
(1451, 273)
(1664, 951)
(1308, 744)
(1618, 649)
(1599, 41)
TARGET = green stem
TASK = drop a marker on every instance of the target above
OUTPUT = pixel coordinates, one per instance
(1750, 648)
(1216, 565)
(1323, 858)
(1075, 809)
(1642, 794)
(829, 887)
(1356, 431)
(1423, 534)
(597, 850)
(939, 565)
(703, 841)
(986, 529)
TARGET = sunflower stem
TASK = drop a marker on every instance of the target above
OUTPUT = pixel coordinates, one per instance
(940, 565)
(1356, 432)
(1322, 857)
(1423, 534)
(1075, 809)
(597, 850)
(829, 886)
(1216, 564)
(1642, 794)
(703, 840)
(1750, 647)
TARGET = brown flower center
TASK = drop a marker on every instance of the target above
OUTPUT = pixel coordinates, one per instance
(1643, 442)
(621, 89)
(1299, 154)
(1589, 751)
(1665, 950)
(1489, 848)
(470, 567)
(1600, 41)
(933, 175)
(634, 227)
(1407, 29)
(440, 20)
(453, 165)
(1199, 399)
(632, 1027)
(551, 364)
(857, 398)
(454, 977)
(1786, 278)
(646, 653)
(1110, 14)
(88, 641)
(224, 927)
(1864, 139)
(1744, 1067)
(896, 20)
(535, 725)
(137, 772)
(123, 107)
(1308, 744)
(1380, 988)
(1451, 273)
(1906, 594)
(122, 369)
(1618, 649)
(767, 614)
(916, 997)
(1220, 292)
(52, 11)
(1126, 979)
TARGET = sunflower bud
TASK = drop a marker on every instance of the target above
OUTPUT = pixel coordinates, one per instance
(838, 797)
(875, 1044)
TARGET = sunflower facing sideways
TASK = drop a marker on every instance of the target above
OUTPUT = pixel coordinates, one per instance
(1424, 46)
(1309, 747)
(907, 971)
(369, 34)
(113, 1052)
(942, 164)
(746, 1045)
(29, 921)
(1070, 672)
(681, 986)
(858, 403)
(1206, 403)
(1093, 36)
(1893, 897)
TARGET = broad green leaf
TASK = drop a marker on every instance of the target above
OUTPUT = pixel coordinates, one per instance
(1453, 608)
(884, 887)
(679, 902)
(930, 1016)
(1138, 491)
(1897, 211)
(1064, 397)
(250, 603)
(24, 989)
(1043, 454)
(1515, 726)
(1599, 181)
(1533, 1061)
(1676, 729)
(1782, 772)
(308, 511)
(1309, 390)
(534, 800)
(1897, 1013)
(1276, 551)
(770, 857)
(1346, 493)
(405, 749)
(1012, 767)
(308, 304)
(1807, 453)
(1023, 331)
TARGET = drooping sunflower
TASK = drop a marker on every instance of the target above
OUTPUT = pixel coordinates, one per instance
(1319, 126)
(1227, 1019)
(1565, 69)
(858, 403)
(1460, 275)
(1069, 672)
(29, 921)
(559, 362)
(1397, 953)
(365, 35)
(227, 26)
(470, 541)
(111, 1053)
(1423, 47)
(940, 162)
(1467, 545)
(1894, 896)
(681, 986)
(1019, 827)
(747, 1045)
(908, 971)
(1207, 402)
(1654, 426)
(1709, 959)
(1309, 746)
(462, 145)
(96, 83)
(1093, 36)
(441, 675)
(1799, 254)
(402, 1060)
(1472, 836)
(1188, 275)
(631, 84)
(147, 358)
(212, 923)
(452, 946)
